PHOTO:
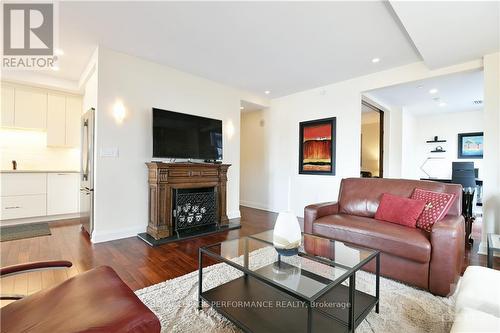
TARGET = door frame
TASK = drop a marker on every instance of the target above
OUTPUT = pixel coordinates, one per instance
(381, 135)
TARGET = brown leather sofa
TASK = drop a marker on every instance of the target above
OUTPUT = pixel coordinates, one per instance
(431, 261)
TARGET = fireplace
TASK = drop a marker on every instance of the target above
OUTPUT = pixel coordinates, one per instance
(186, 200)
(194, 208)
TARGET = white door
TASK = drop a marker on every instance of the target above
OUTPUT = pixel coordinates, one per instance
(63, 193)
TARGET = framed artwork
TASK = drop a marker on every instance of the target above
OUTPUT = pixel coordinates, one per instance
(470, 145)
(317, 146)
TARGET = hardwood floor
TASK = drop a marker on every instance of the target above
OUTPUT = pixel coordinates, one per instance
(138, 264)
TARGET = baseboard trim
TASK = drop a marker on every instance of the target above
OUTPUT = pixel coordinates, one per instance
(234, 214)
(256, 205)
(48, 218)
(101, 237)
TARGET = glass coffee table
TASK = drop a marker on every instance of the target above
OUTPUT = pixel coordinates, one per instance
(312, 291)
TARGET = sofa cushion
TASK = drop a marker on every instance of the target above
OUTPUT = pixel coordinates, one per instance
(437, 206)
(399, 210)
(387, 237)
(361, 196)
(480, 289)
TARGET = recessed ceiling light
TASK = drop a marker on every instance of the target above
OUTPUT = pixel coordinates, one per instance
(375, 60)
(242, 107)
(433, 91)
(59, 52)
(267, 92)
(420, 86)
(55, 68)
(442, 104)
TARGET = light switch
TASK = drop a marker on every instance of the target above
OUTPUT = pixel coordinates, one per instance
(109, 152)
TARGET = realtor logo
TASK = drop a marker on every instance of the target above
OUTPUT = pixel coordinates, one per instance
(28, 35)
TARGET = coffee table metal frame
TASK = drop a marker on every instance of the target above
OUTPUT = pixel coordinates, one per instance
(349, 274)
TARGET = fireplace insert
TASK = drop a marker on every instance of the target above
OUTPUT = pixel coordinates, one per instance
(194, 208)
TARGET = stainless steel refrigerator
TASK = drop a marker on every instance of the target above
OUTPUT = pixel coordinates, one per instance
(87, 172)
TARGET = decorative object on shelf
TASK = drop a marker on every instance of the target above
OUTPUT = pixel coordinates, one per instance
(287, 236)
(438, 149)
(470, 145)
(435, 140)
(425, 162)
(14, 165)
(317, 146)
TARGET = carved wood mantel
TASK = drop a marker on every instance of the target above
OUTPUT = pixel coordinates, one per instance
(163, 178)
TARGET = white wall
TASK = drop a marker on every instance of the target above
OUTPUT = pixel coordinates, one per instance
(121, 190)
(342, 100)
(491, 174)
(254, 161)
(419, 129)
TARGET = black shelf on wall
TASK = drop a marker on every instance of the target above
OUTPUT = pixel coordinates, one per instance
(435, 141)
(438, 151)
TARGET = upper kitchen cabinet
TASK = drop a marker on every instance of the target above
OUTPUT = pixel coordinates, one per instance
(7, 117)
(30, 108)
(63, 120)
(73, 116)
(56, 120)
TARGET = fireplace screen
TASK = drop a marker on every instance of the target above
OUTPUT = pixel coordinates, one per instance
(194, 208)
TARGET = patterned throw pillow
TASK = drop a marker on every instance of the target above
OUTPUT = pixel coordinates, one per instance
(437, 206)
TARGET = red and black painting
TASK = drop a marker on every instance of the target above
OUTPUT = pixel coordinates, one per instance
(317, 147)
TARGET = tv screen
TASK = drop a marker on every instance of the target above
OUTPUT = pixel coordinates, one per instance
(179, 135)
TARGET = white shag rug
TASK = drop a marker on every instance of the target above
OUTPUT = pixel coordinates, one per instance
(402, 308)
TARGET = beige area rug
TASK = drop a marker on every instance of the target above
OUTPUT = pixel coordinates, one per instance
(402, 308)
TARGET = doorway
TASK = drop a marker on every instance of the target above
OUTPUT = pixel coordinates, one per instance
(372, 141)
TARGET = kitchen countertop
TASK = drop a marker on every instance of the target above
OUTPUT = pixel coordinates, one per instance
(39, 171)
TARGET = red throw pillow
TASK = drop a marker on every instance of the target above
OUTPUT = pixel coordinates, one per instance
(437, 205)
(404, 211)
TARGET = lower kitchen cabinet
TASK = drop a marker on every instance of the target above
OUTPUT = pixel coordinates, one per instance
(22, 206)
(38, 194)
(63, 193)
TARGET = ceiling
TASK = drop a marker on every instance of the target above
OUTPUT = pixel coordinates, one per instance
(458, 91)
(450, 32)
(283, 47)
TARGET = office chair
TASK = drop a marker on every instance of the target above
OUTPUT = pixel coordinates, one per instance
(463, 173)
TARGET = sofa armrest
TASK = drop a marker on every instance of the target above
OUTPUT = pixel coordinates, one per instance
(447, 246)
(315, 211)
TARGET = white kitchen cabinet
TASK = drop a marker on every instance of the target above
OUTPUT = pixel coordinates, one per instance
(56, 120)
(73, 118)
(22, 206)
(7, 116)
(13, 184)
(63, 120)
(63, 193)
(23, 195)
(30, 108)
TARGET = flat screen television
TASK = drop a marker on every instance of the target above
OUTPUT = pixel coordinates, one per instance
(180, 135)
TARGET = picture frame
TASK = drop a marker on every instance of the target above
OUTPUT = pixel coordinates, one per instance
(317, 146)
(470, 145)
